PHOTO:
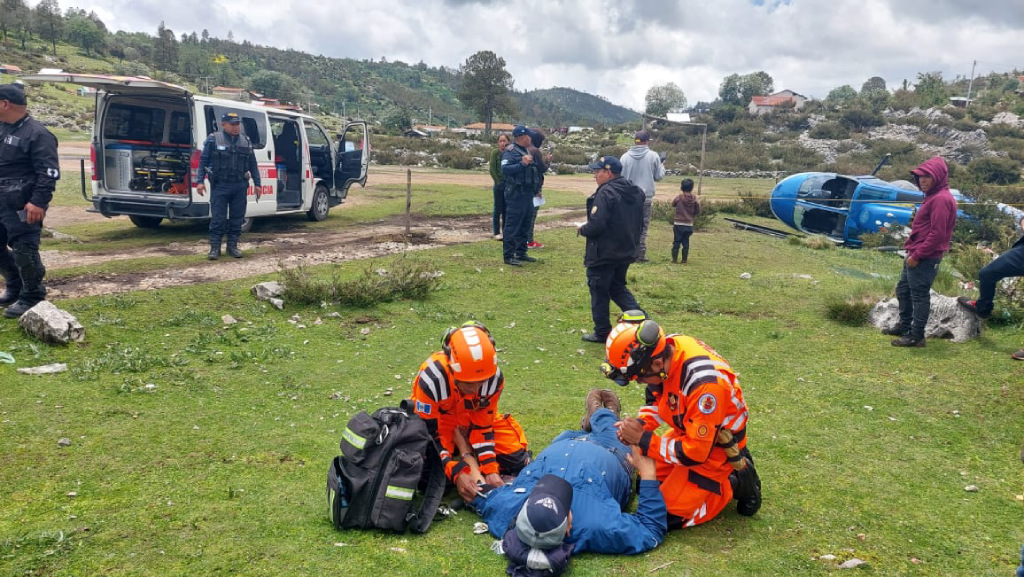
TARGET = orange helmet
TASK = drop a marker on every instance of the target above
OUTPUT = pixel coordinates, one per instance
(630, 347)
(470, 351)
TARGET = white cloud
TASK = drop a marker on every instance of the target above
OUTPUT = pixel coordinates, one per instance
(619, 49)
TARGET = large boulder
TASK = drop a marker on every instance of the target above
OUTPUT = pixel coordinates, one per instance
(947, 319)
(48, 323)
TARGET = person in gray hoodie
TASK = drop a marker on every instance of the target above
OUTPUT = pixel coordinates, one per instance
(643, 167)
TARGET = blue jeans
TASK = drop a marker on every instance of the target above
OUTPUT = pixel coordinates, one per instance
(225, 198)
(608, 283)
(498, 216)
(913, 293)
(1010, 263)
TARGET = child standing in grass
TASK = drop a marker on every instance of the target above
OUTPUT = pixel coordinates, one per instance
(687, 207)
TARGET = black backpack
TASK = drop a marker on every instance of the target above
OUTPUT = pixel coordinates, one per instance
(374, 483)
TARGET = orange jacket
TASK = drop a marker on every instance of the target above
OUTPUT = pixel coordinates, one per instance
(700, 396)
(443, 407)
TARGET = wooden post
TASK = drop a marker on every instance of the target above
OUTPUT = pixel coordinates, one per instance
(408, 204)
(703, 147)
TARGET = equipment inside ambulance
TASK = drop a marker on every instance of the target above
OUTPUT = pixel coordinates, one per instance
(148, 136)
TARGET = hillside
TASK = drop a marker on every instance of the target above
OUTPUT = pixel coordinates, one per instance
(344, 86)
(561, 106)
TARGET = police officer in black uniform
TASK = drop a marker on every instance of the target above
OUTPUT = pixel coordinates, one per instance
(522, 182)
(229, 161)
(29, 170)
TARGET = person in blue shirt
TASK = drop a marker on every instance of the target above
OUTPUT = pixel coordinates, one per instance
(522, 174)
(599, 469)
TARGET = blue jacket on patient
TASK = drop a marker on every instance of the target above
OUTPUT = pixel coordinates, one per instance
(595, 464)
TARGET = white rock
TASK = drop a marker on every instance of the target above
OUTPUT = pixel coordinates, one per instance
(745, 276)
(946, 319)
(50, 324)
(267, 290)
(971, 488)
(44, 369)
(827, 557)
(63, 442)
(278, 303)
(851, 563)
(479, 528)
(228, 320)
(364, 331)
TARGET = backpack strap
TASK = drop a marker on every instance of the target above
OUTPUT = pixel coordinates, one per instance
(419, 521)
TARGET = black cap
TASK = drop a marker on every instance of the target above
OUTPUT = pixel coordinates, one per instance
(13, 93)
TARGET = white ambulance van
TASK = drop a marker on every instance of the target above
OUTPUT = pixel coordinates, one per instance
(148, 136)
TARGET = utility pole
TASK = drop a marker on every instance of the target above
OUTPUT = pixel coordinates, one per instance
(430, 115)
(970, 84)
(206, 83)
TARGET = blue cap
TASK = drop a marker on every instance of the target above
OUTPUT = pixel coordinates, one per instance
(231, 117)
(608, 163)
(520, 130)
(544, 519)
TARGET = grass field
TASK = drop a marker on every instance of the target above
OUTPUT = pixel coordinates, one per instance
(199, 448)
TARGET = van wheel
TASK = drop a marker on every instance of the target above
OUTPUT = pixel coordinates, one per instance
(246, 224)
(145, 221)
(321, 204)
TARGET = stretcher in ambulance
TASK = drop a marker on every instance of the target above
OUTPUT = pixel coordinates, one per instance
(148, 136)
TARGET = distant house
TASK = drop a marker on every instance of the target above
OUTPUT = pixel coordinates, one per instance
(678, 117)
(478, 127)
(787, 99)
(10, 69)
(578, 128)
(414, 133)
(960, 101)
(229, 93)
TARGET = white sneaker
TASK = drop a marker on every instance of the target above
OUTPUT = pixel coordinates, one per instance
(498, 237)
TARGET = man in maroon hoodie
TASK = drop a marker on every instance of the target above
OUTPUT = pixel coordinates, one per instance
(929, 237)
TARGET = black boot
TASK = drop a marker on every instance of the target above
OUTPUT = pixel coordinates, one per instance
(30, 267)
(675, 254)
(232, 249)
(214, 248)
(746, 487)
(12, 278)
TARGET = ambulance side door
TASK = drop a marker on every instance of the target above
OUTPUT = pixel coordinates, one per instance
(353, 157)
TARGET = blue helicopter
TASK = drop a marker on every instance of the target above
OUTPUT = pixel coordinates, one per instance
(845, 207)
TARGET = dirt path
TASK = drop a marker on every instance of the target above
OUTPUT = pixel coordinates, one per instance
(266, 252)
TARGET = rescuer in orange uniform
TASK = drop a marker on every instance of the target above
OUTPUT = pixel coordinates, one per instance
(702, 460)
(456, 393)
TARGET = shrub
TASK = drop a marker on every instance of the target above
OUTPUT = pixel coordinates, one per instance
(615, 150)
(853, 309)
(663, 210)
(985, 224)
(569, 155)
(405, 280)
(995, 170)
(757, 204)
(460, 159)
(829, 131)
(818, 242)
(860, 119)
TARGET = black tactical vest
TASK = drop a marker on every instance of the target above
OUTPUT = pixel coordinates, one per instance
(230, 161)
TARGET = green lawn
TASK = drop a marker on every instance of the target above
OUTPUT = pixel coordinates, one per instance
(201, 449)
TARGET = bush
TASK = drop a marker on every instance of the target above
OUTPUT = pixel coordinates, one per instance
(615, 150)
(405, 280)
(757, 205)
(860, 119)
(460, 159)
(985, 224)
(851, 310)
(569, 155)
(829, 131)
(995, 170)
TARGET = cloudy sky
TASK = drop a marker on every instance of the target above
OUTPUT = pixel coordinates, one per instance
(619, 49)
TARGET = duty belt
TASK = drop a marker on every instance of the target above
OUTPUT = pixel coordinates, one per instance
(10, 181)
